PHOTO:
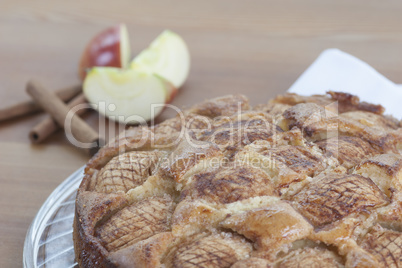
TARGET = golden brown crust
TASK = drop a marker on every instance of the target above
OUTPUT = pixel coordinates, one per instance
(227, 184)
(385, 170)
(252, 263)
(90, 208)
(88, 251)
(125, 172)
(221, 106)
(274, 109)
(292, 99)
(188, 154)
(385, 246)
(350, 151)
(359, 258)
(146, 253)
(270, 227)
(163, 136)
(287, 160)
(231, 134)
(129, 140)
(298, 158)
(348, 102)
(299, 182)
(136, 222)
(345, 102)
(319, 123)
(372, 120)
(310, 257)
(221, 250)
(335, 196)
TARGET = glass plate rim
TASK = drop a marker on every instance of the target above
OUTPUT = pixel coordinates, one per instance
(37, 226)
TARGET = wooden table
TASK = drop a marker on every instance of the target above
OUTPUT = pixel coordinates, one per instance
(257, 48)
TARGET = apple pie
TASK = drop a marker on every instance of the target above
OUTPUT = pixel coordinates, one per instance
(297, 182)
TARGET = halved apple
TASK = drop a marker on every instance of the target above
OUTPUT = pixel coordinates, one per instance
(167, 56)
(124, 93)
(110, 47)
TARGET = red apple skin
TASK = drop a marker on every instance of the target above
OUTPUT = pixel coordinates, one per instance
(172, 95)
(102, 50)
(171, 91)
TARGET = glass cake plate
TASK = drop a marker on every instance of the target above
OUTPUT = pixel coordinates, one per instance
(49, 240)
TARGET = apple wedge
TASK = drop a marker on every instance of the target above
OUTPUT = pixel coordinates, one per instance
(167, 56)
(124, 93)
(110, 47)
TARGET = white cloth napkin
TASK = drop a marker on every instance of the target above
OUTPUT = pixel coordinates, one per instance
(338, 71)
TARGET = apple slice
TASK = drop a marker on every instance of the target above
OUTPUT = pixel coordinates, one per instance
(167, 56)
(124, 93)
(110, 47)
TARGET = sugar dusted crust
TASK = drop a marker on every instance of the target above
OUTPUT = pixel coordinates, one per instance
(297, 182)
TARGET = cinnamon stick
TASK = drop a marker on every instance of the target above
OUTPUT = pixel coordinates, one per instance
(30, 107)
(83, 135)
(48, 126)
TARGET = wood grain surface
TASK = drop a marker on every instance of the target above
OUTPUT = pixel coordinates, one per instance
(257, 48)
